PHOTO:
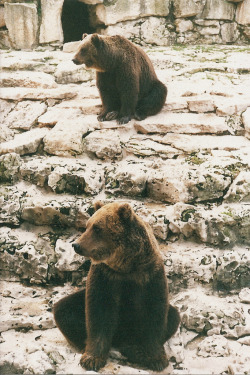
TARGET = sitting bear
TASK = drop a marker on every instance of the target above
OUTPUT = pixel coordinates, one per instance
(125, 304)
(125, 77)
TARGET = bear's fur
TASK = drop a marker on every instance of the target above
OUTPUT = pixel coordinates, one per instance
(126, 302)
(125, 77)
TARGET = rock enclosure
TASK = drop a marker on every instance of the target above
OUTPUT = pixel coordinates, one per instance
(26, 24)
(185, 171)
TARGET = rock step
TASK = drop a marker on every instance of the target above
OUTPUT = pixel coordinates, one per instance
(53, 259)
(221, 225)
(197, 178)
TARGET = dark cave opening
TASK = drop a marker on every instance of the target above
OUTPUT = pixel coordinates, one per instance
(75, 20)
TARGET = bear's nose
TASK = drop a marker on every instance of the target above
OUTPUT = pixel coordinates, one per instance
(75, 61)
(76, 246)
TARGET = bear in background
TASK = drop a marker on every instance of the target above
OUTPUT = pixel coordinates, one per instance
(126, 303)
(125, 77)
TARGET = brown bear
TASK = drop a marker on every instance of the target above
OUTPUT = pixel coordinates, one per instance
(125, 77)
(125, 304)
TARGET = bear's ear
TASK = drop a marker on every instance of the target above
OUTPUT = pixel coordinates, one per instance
(96, 40)
(125, 212)
(84, 35)
(98, 205)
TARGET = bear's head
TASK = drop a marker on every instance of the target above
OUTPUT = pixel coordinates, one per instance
(106, 232)
(91, 52)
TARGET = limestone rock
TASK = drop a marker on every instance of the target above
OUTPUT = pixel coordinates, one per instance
(144, 146)
(201, 105)
(121, 10)
(67, 259)
(218, 10)
(239, 191)
(22, 93)
(184, 9)
(68, 72)
(65, 140)
(127, 178)
(214, 346)
(27, 79)
(51, 11)
(6, 133)
(183, 26)
(129, 29)
(246, 122)
(244, 295)
(22, 23)
(9, 167)
(10, 205)
(154, 31)
(2, 20)
(25, 115)
(229, 32)
(24, 143)
(243, 13)
(183, 122)
(207, 313)
(105, 144)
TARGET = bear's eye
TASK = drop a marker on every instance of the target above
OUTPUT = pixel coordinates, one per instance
(97, 229)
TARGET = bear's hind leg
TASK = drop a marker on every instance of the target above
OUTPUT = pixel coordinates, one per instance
(172, 323)
(152, 103)
(69, 313)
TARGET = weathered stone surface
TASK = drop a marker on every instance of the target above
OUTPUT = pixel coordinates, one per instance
(218, 10)
(105, 144)
(144, 146)
(68, 72)
(183, 123)
(128, 178)
(186, 9)
(197, 143)
(22, 23)
(210, 314)
(121, 10)
(243, 13)
(25, 114)
(244, 295)
(2, 20)
(239, 191)
(51, 11)
(9, 168)
(67, 259)
(246, 122)
(27, 79)
(220, 226)
(65, 140)
(201, 105)
(22, 93)
(10, 205)
(154, 31)
(183, 26)
(229, 32)
(25, 143)
(214, 346)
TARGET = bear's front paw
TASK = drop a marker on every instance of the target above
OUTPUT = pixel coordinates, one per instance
(92, 363)
(124, 119)
(109, 116)
(158, 364)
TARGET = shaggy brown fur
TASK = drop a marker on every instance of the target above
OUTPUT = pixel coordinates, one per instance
(125, 78)
(125, 304)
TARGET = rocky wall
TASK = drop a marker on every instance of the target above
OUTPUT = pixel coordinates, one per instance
(27, 24)
(186, 171)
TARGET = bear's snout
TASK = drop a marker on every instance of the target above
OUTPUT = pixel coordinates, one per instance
(75, 61)
(76, 247)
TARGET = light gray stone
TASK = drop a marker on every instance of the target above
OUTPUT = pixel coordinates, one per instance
(246, 122)
(121, 10)
(239, 191)
(244, 295)
(2, 20)
(25, 115)
(184, 9)
(214, 346)
(10, 205)
(51, 15)
(22, 93)
(22, 23)
(229, 32)
(105, 144)
(24, 143)
(243, 13)
(9, 167)
(218, 10)
(182, 26)
(27, 79)
(68, 72)
(154, 31)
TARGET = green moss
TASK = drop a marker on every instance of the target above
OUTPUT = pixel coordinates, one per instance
(194, 159)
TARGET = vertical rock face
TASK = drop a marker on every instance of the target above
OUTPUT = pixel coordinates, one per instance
(186, 8)
(22, 23)
(243, 13)
(218, 10)
(51, 27)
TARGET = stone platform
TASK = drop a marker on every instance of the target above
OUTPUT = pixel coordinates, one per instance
(185, 171)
